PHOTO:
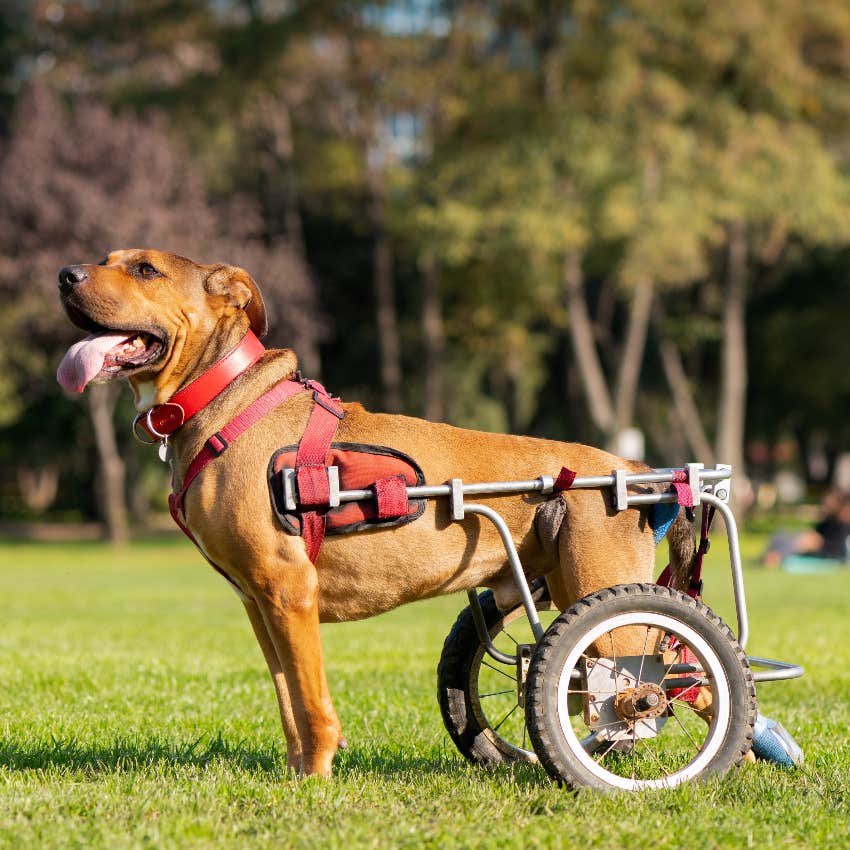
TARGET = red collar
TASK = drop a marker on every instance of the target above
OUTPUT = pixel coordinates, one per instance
(164, 419)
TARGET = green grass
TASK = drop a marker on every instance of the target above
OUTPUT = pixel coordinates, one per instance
(136, 711)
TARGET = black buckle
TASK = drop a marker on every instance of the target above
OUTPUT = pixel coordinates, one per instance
(217, 450)
(324, 401)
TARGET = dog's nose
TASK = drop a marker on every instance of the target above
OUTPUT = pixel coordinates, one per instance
(71, 276)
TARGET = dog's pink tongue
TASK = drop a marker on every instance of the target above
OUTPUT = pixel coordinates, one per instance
(84, 360)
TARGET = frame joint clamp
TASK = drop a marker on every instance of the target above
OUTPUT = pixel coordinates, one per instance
(456, 498)
(621, 489)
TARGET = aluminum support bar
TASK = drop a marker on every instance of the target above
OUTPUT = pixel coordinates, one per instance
(543, 485)
(778, 670)
(513, 560)
(734, 563)
(483, 634)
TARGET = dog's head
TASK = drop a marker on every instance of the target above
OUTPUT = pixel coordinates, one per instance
(149, 314)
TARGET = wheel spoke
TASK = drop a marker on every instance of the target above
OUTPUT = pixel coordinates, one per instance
(501, 672)
(681, 696)
(648, 750)
(614, 656)
(497, 693)
(612, 723)
(634, 749)
(678, 651)
(684, 704)
(685, 730)
(496, 727)
(601, 755)
(506, 632)
(642, 658)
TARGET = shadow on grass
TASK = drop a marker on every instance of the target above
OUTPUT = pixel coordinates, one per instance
(398, 763)
(130, 754)
(121, 755)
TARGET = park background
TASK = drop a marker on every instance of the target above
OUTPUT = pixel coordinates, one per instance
(613, 222)
(561, 219)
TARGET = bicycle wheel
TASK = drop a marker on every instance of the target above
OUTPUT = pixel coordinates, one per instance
(666, 692)
(479, 697)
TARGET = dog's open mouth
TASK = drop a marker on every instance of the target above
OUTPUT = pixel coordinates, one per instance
(106, 355)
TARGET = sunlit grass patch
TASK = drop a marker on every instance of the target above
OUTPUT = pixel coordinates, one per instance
(136, 712)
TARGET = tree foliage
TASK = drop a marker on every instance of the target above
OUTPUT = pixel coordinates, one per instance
(574, 214)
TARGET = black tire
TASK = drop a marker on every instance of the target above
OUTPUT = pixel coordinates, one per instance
(678, 751)
(458, 693)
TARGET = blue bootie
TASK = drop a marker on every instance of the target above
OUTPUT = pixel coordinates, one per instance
(771, 742)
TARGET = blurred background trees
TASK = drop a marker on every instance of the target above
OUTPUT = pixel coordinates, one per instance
(583, 220)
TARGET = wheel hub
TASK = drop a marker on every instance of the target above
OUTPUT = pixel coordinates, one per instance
(643, 702)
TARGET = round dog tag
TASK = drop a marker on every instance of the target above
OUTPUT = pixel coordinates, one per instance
(164, 452)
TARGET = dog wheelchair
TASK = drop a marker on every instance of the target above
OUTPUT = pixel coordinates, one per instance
(634, 687)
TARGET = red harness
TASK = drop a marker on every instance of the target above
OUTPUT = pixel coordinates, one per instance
(313, 486)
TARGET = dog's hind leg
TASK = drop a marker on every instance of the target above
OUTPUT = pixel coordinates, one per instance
(288, 601)
(597, 548)
(287, 718)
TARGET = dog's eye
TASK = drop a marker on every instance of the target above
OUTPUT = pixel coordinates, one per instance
(147, 270)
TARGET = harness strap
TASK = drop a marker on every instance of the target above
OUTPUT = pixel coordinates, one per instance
(311, 465)
(219, 442)
(311, 459)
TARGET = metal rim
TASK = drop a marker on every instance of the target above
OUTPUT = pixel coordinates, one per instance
(713, 669)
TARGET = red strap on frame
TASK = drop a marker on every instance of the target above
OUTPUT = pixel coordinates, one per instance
(683, 490)
(564, 481)
(391, 495)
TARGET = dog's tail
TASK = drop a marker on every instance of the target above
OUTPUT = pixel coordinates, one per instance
(681, 541)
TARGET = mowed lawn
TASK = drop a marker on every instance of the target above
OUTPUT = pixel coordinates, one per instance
(136, 711)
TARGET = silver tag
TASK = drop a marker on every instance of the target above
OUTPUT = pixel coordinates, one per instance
(164, 451)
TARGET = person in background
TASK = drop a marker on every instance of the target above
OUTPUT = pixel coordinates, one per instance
(828, 538)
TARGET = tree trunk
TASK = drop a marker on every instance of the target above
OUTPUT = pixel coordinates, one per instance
(291, 207)
(434, 338)
(102, 399)
(276, 119)
(683, 398)
(632, 356)
(389, 341)
(733, 387)
(584, 347)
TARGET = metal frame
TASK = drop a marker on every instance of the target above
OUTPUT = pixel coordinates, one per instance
(704, 487)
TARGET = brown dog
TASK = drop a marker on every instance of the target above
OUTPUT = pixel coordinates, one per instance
(161, 320)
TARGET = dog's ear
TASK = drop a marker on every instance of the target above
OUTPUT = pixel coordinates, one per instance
(239, 290)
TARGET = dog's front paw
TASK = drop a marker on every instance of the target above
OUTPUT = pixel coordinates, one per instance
(294, 759)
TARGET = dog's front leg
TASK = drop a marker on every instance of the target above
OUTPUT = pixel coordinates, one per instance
(290, 610)
(287, 719)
